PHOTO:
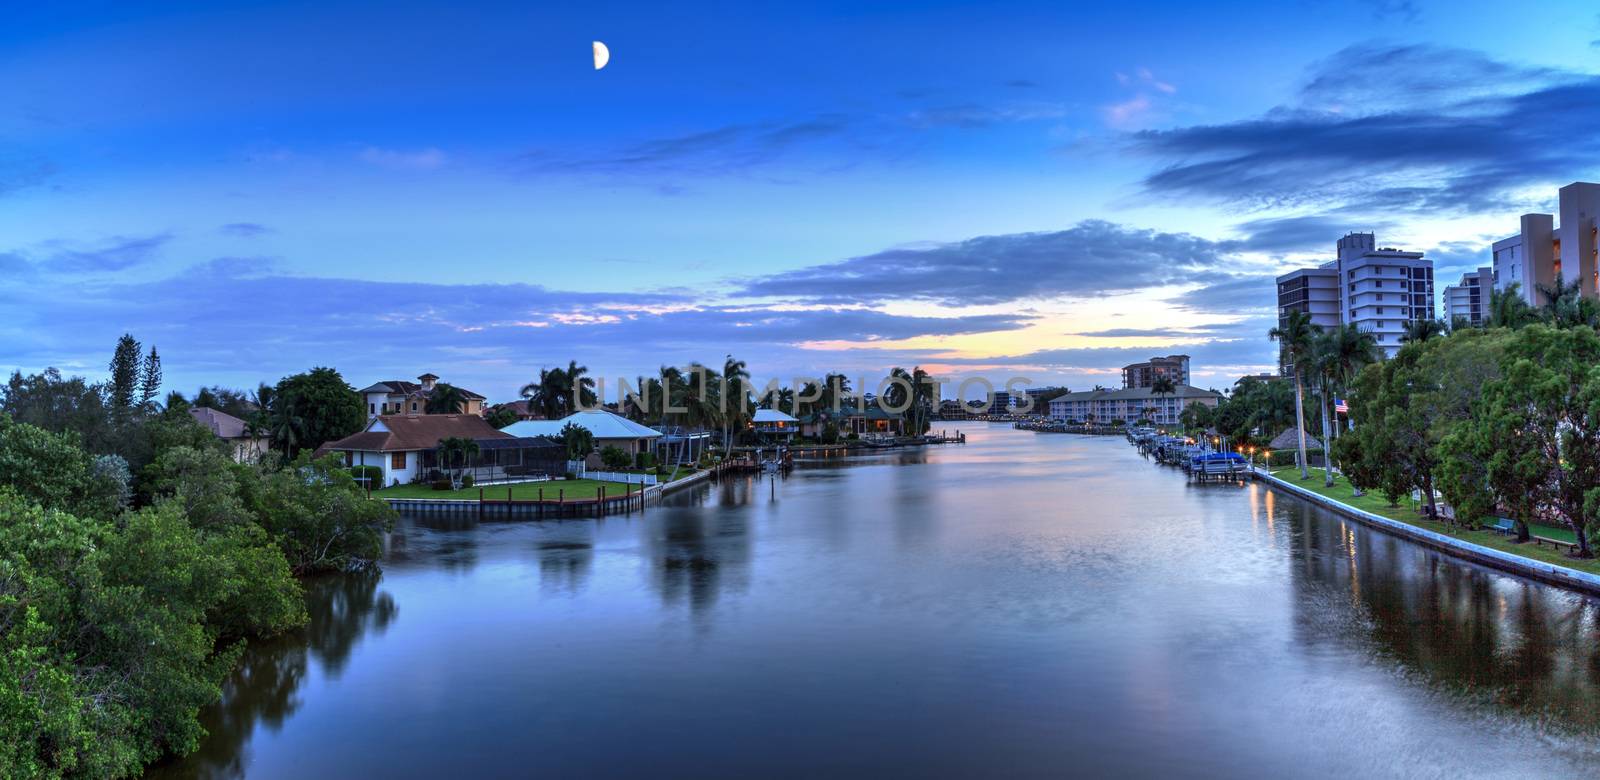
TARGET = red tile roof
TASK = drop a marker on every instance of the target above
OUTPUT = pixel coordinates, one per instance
(416, 432)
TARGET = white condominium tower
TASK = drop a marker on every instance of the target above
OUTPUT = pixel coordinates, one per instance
(1468, 299)
(1540, 252)
(1377, 289)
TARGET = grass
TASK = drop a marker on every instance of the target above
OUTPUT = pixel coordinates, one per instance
(1378, 505)
(521, 491)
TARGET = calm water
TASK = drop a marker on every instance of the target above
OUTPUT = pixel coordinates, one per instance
(1025, 605)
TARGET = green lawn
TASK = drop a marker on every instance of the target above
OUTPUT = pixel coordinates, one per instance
(1375, 503)
(521, 491)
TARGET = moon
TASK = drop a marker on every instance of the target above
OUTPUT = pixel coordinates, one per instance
(602, 55)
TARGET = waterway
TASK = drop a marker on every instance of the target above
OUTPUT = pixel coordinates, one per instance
(1023, 605)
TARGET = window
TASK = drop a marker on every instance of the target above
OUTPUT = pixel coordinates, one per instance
(413, 406)
(397, 460)
(372, 408)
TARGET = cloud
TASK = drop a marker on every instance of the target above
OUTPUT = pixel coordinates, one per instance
(17, 174)
(417, 160)
(117, 253)
(1093, 258)
(1296, 234)
(245, 229)
(1243, 294)
(239, 319)
(1383, 128)
(722, 150)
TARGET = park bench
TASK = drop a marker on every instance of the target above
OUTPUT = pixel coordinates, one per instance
(1503, 526)
(1556, 543)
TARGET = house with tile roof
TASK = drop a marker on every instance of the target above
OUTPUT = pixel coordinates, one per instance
(245, 444)
(397, 396)
(406, 445)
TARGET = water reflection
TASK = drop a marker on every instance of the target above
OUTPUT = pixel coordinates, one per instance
(696, 555)
(262, 692)
(1031, 597)
(1494, 640)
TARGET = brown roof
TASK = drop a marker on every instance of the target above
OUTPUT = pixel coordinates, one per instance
(221, 424)
(1290, 440)
(408, 389)
(416, 432)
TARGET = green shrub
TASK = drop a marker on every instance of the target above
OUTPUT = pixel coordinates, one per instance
(467, 480)
(614, 458)
(440, 484)
(373, 475)
(644, 460)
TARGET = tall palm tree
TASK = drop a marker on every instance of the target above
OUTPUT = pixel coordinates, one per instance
(1163, 386)
(834, 388)
(1353, 349)
(547, 394)
(1296, 334)
(700, 398)
(445, 399)
(735, 406)
(1324, 366)
(579, 392)
(1508, 309)
(1422, 330)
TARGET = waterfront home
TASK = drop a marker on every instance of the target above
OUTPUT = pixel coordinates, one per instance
(849, 420)
(1130, 404)
(243, 443)
(608, 428)
(396, 396)
(405, 445)
(772, 423)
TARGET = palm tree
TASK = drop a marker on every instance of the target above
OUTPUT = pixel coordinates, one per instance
(1296, 335)
(1163, 386)
(456, 450)
(735, 405)
(1353, 349)
(700, 398)
(834, 388)
(445, 399)
(1422, 330)
(547, 395)
(579, 392)
(1507, 309)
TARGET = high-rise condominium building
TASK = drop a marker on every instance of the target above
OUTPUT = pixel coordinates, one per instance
(1468, 299)
(1541, 251)
(1377, 289)
(1174, 367)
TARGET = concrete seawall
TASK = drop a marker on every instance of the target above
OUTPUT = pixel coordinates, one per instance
(1515, 564)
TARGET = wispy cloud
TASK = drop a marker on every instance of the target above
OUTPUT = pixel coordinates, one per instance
(413, 159)
(245, 229)
(1385, 128)
(117, 253)
(1091, 259)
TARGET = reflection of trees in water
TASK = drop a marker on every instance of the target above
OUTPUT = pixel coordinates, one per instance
(566, 556)
(262, 690)
(697, 554)
(1494, 638)
(447, 540)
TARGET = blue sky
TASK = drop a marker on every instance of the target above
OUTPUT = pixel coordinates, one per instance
(1043, 189)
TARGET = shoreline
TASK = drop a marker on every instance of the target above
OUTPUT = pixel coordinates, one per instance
(1547, 573)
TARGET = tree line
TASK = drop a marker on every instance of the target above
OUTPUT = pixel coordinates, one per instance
(137, 557)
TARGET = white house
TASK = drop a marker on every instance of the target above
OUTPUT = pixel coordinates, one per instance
(608, 428)
(1130, 404)
(404, 444)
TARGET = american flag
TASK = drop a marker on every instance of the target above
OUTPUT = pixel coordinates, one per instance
(1340, 407)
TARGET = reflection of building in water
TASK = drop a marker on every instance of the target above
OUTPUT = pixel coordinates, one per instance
(1467, 629)
(697, 553)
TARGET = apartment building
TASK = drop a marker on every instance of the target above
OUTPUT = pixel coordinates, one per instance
(1130, 404)
(1174, 367)
(1541, 251)
(1378, 289)
(1468, 299)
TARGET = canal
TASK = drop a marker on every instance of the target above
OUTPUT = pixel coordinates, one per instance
(1024, 605)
